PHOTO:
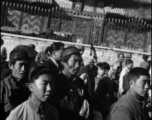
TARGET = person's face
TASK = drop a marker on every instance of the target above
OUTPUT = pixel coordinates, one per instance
(121, 58)
(130, 66)
(94, 72)
(141, 86)
(101, 72)
(73, 64)
(42, 88)
(20, 69)
(84, 77)
(58, 54)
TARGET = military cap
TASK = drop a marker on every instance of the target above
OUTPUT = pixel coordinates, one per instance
(69, 51)
(18, 54)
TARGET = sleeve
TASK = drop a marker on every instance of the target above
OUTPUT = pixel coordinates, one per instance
(121, 113)
(12, 116)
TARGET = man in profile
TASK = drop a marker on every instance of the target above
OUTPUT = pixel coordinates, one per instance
(131, 106)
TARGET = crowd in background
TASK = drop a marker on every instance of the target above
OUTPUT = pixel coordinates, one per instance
(56, 85)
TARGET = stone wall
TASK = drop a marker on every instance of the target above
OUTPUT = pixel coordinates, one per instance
(103, 55)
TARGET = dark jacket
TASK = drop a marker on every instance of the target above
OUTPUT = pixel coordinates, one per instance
(126, 85)
(69, 95)
(5, 73)
(102, 96)
(12, 94)
(127, 108)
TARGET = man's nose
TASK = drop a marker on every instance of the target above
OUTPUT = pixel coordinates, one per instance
(147, 85)
(48, 87)
(23, 68)
(77, 64)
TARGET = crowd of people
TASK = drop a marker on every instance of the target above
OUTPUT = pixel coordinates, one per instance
(56, 85)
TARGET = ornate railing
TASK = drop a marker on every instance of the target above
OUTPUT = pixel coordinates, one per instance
(51, 22)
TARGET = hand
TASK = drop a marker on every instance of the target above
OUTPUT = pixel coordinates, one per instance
(85, 109)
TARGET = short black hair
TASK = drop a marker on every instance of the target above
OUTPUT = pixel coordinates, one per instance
(128, 61)
(37, 70)
(104, 65)
(136, 72)
(119, 54)
(32, 46)
(145, 57)
(54, 47)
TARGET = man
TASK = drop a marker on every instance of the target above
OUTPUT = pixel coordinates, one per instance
(13, 89)
(35, 108)
(144, 63)
(131, 105)
(103, 90)
(126, 69)
(54, 52)
(70, 95)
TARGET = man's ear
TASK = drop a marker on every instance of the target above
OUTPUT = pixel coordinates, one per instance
(131, 83)
(30, 86)
(106, 71)
(10, 65)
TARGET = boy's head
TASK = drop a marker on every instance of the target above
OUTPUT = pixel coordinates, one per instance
(41, 83)
(103, 68)
(139, 82)
(129, 64)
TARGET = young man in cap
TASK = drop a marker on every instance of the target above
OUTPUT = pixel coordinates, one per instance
(13, 89)
(131, 105)
(41, 86)
(70, 94)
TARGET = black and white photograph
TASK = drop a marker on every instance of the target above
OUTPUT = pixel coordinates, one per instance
(75, 60)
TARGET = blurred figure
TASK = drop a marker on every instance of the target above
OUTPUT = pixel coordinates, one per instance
(83, 73)
(41, 86)
(41, 58)
(3, 55)
(126, 69)
(127, 56)
(103, 91)
(117, 67)
(32, 46)
(131, 106)
(144, 64)
(54, 53)
(14, 88)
